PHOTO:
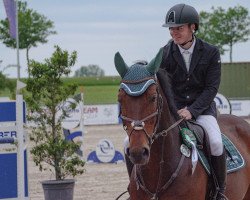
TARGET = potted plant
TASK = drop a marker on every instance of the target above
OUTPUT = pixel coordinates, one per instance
(45, 91)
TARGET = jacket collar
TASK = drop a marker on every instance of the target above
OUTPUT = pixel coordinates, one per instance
(197, 53)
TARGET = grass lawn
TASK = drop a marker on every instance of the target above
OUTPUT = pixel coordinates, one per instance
(99, 94)
(101, 90)
(105, 94)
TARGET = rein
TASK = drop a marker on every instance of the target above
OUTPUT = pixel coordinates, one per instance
(139, 180)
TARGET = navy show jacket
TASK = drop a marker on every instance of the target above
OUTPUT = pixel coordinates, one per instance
(196, 88)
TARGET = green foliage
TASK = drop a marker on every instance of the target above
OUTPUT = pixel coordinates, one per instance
(45, 91)
(34, 28)
(6, 83)
(90, 70)
(225, 28)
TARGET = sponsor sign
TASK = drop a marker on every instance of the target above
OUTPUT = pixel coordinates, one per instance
(74, 113)
(13, 160)
(222, 104)
(240, 107)
(105, 150)
(100, 114)
(8, 134)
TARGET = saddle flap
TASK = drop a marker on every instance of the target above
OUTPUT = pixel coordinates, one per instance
(198, 131)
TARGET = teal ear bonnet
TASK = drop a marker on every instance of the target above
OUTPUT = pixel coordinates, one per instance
(135, 73)
(137, 78)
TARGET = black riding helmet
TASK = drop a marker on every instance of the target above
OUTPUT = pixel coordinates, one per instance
(181, 14)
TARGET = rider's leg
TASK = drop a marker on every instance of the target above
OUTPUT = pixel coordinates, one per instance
(218, 159)
(219, 166)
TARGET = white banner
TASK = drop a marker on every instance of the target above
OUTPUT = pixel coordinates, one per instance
(240, 107)
(100, 114)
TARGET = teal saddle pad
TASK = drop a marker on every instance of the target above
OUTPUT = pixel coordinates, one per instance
(235, 161)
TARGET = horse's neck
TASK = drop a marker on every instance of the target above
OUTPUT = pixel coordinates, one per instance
(171, 150)
(169, 145)
(166, 149)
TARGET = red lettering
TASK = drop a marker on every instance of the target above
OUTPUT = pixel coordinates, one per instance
(90, 110)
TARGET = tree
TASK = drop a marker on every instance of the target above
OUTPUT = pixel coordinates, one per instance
(45, 92)
(5, 83)
(90, 70)
(225, 28)
(34, 28)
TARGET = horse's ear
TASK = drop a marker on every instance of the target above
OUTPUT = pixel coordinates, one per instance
(120, 65)
(154, 64)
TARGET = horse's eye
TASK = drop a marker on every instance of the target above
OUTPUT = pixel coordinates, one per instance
(119, 98)
(153, 98)
(120, 95)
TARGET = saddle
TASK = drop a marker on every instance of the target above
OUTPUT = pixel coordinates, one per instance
(199, 136)
(196, 134)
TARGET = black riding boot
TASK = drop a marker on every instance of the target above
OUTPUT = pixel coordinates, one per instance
(220, 170)
(129, 165)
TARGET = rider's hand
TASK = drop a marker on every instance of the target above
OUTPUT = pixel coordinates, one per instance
(184, 113)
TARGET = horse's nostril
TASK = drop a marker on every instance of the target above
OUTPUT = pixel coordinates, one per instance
(139, 156)
(145, 152)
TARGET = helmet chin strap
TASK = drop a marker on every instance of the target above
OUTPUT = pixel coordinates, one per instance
(184, 43)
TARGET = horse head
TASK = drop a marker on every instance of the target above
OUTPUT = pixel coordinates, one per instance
(140, 105)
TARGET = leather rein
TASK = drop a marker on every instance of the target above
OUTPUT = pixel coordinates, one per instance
(139, 125)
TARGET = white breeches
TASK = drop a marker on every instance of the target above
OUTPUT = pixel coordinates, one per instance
(210, 124)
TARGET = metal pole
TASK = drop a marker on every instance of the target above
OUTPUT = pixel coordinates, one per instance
(20, 147)
(82, 120)
(17, 42)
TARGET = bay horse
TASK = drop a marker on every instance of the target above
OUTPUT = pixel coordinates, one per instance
(161, 171)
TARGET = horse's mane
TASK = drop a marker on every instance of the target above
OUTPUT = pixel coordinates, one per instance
(167, 91)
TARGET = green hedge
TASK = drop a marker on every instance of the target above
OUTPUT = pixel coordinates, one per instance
(93, 81)
(101, 90)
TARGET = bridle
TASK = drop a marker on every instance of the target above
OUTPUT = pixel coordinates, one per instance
(138, 125)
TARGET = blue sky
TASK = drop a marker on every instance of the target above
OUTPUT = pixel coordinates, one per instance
(98, 29)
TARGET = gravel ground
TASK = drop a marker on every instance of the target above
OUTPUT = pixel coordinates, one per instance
(100, 181)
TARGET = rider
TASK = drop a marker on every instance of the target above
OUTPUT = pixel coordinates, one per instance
(194, 68)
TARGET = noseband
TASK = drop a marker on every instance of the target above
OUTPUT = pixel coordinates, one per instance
(140, 125)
